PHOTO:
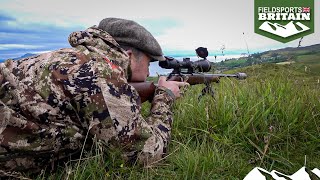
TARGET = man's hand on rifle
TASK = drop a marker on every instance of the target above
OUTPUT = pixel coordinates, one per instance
(174, 86)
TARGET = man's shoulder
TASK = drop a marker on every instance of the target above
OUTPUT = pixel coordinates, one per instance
(81, 60)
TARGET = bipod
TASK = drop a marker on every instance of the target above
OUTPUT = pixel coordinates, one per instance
(207, 90)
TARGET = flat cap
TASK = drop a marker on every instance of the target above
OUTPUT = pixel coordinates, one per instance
(130, 33)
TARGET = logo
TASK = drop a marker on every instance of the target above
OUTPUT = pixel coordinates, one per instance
(303, 173)
(284, 20)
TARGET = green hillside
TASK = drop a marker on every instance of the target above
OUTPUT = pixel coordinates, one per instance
(304, 56)
(270, 120)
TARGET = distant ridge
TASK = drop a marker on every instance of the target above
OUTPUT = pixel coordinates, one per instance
(315, 47)
(24, 56)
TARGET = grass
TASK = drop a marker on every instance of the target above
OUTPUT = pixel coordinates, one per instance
(234, 63)
(312, 62)
(271, 120)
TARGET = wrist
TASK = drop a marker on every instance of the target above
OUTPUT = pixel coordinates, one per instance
(168, 92)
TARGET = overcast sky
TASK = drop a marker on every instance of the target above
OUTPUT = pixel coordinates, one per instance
(41, 25)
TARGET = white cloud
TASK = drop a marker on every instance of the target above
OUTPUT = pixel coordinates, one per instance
(18, 46)
(39, 52)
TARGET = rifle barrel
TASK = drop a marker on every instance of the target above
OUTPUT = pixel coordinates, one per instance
(236, 75)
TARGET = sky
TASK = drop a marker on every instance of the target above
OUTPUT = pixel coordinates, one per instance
(35, 26)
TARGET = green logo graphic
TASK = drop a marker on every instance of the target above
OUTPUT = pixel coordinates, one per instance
(284, 20)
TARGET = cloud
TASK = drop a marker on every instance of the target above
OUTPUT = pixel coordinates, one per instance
(161, 25)
(4, 18)
(20, 37)
(18, 46)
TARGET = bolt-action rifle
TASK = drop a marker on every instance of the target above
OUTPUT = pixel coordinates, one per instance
(193, 72)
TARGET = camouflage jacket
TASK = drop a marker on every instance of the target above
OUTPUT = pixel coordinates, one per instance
(50, 104)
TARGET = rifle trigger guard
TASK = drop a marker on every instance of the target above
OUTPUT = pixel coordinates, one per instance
(184, 78)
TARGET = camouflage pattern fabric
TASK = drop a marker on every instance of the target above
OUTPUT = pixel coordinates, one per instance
(50, 104)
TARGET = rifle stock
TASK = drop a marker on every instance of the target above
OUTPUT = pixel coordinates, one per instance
(145, 89)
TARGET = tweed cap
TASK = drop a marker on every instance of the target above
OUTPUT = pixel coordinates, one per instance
(132, 34)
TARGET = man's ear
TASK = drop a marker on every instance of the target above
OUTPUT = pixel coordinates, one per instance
(129, 70)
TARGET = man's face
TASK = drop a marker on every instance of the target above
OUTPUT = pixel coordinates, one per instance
(139, 67)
